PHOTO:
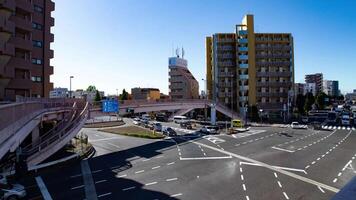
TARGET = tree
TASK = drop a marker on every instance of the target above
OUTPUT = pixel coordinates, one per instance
(320, 100)
(309, 101)
(124, 95)
(91, 88)
(300, 102)
(97, 96)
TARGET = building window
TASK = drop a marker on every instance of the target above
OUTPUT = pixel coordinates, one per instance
(37, 43)
(38, 8)
(37, 79)
(36, 61)
(36, 26)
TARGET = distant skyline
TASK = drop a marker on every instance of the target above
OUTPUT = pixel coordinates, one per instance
(121, 44)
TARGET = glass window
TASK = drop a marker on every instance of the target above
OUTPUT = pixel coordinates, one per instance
(38, 8)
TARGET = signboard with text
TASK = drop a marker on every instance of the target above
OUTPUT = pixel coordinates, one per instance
(110, 106)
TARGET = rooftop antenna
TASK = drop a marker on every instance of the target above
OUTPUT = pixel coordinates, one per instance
(182, 52)
(177, 52)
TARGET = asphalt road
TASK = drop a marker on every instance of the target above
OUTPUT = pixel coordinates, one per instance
(264, 163)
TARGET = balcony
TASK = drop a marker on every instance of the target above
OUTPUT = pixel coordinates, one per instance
(274, 74)
(21, 43)
(7, 49)
(243, 66)
(226, 40)
(242, 49)
(226, 74)
(226, 64)
(267, 63)
(51, 37)
(244, 88)
(243, 77)
(20, 84)
(243, 57)
(19, 63)
(223, 84)
(24, 5)
(243, 41)
(268, 106)
(50, 54)
(272, 94)
(273, 56)
(225, 94)
(243, 99)
(50, 70)
(6, 25)
(8, 4)
(22, 23)
(273, 84)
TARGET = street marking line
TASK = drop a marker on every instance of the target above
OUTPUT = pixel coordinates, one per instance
(139, 171)
(242, 177)
(247, 198)
(244, 186)
(152, 183)
(89, 186)
(321, 189)
(206, 158)
(296, 176)
(171, 163)
(275, 175)
(74, 176)
(171, 179)
(279, 183)
(176, 195)
(335, 179)
(100, 181)
(146, 160)
(77, 187)
(286, 150)
(43, 188)
(114, 145)
(124, 175)
(96, 171)
(129, 188)
(285, 195)
(103, 195)
(277, 167)
(156, 167)
(104, 139)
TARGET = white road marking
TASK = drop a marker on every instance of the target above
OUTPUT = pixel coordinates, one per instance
(321, 189)
(307, 166)
(171, 163)
(77, 187)
(277, 167)
(114, 145)
(124, 175)
(279, 183)
(244, 186)
(335, 179)
(101, 181)
(275, 175)
(43, 188)
(339, 174)
(286, 150)
(206, 158)
(103, 195)
(176, 195)
(156, 167)
(152, 183)
(129, 188)
(247, 198)
(285, 195)
(96, 171)
(139, 171)
(171, 179)
(104, 139)
(240, 169)
(74, 176)
(161, 156)
(204, 154)
(146, 160)
(242, 177)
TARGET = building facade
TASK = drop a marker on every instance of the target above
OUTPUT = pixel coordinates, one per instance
(331, 88)
(247, 68)
(88, 95)
(182, 84)
(25, 48)
(59, 93)
(299, 89)
(317, 79)
(310, 88)
(145, 93)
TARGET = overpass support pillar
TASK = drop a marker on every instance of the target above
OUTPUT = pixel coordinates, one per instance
(35, 133)
(213, 114)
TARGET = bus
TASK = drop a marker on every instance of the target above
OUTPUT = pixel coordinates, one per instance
(180, 119)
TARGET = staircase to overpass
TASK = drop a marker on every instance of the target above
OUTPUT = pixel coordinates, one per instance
(21, 120)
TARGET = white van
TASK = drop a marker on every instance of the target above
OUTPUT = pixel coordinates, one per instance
(180, 119)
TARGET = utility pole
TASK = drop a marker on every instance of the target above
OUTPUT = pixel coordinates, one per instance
(70, 86)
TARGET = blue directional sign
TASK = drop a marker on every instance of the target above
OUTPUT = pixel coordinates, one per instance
(110, 106)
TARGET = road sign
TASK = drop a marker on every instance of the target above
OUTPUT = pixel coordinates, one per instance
(110, 106)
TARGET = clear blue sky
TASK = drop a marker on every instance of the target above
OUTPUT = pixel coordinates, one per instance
(126, 43)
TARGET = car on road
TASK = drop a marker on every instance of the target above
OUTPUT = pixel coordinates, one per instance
(10, 191)
(186, 125)
(157, 126)
(296, 125)
(209, 129)
(180, 119)
(169, 132)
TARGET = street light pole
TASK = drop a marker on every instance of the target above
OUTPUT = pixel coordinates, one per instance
(70, 86)
(206, 97)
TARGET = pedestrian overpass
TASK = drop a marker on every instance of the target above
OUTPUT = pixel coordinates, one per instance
(22, 133)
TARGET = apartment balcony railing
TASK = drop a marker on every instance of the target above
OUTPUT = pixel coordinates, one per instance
(272, 94)
(274, 47)
(226, 40)
(267, 63)
(243, 57)
(273, 84)
(242, 41)
(15, 61)
(270, 105)
(225, 94)
(24, 5)
(20, 83)
(242, 49)
(226, 64)
(21, 43)
(225, 48)
(22, 23)
(223, 84)
(6, 25)
(244, 87)
(226, 74)
(273, 74)
(7, 49)
(50, 54)
(242, 99)
(8, 4)
(242, 32)
(51, 37)
(243, 77)
(273, 55)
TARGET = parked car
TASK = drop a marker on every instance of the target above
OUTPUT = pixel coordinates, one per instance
(157, 126)
(186, 125)
(296, 125)
(169, 132)
(209, 129)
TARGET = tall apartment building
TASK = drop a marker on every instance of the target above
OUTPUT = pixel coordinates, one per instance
(25, 52)
(317, 79)
(182, 84)
(248, 68)
(331, 88)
